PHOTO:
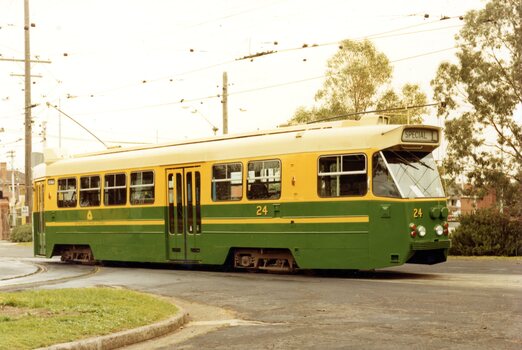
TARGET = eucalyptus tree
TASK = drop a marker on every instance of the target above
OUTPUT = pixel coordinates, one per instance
(357, 79)
(482, 92)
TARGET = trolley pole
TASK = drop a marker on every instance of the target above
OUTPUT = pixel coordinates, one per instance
(225, 103)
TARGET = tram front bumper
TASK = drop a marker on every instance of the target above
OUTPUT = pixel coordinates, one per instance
(431, 245)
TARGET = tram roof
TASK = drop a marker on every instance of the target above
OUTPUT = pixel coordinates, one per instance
(319, 137)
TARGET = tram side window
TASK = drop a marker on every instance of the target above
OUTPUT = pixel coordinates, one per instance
(67, 193)
(90, 191)
(342, 175)
(115, 189)
(227, 182)
(264, 179)
(142, 187)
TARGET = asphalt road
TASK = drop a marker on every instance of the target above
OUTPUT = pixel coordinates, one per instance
(460, 304)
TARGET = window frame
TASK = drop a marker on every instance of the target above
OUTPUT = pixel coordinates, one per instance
(107, 188)
(213, 192)
(340, 173)
(132, 187)
(75, 192)
(280, 182)
(90, 189)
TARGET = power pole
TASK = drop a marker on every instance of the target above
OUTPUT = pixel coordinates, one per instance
(225, 103)
(28, 105)
(28, 119)
(12, 202)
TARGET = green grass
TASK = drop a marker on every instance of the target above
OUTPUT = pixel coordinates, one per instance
(40, 318)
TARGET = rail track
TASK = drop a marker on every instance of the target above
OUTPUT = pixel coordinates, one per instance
(38, 277)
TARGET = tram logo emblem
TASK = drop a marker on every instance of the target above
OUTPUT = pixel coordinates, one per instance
(89, 215)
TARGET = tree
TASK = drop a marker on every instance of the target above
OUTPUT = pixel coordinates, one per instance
(482, 92)
(411, 95)
(355, 76)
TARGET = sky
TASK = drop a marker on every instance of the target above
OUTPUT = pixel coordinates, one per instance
(151, 71)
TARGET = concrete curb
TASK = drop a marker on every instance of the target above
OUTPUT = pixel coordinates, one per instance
(128, 337)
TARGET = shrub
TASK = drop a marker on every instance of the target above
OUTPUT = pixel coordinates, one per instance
(487, 232)
(22, 233)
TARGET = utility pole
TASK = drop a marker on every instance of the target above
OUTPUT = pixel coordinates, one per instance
(12, 202)
(28, 119)
(225, 103)
(28, 105)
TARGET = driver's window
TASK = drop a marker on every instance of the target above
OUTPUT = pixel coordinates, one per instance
(382, 181)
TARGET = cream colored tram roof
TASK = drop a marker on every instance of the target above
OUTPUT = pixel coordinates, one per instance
(331, 137)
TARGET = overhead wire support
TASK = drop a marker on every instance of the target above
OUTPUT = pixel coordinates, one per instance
(21, 60)
(257, 54)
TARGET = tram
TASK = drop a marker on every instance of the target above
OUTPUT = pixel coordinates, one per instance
(336, 195)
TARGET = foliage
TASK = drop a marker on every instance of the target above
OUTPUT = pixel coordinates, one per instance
(353, 76)
(356, 76)
(32, 319)
(487, 232)
(22, 233)
(411, 95)
(482, 93)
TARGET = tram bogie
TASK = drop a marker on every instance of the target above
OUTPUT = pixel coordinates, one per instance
(276, 260)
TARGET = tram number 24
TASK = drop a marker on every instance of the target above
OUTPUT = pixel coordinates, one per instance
(261, 210)
(417, 212)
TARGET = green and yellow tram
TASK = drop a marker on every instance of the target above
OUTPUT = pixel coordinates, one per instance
(338, 195)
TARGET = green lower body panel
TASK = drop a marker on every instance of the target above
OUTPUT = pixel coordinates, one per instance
(327, 235)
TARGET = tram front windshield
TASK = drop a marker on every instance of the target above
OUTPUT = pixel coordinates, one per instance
(404, 174)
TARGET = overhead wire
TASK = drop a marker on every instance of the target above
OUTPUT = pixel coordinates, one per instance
(385, 34)
(208, 97)
(379, 35)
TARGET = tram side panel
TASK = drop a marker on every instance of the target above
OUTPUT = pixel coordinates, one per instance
(319, 235)
(120, 233)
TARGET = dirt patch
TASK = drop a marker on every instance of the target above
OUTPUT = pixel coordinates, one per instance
(12, 312)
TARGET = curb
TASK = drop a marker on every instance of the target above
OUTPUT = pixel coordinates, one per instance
(128, 337)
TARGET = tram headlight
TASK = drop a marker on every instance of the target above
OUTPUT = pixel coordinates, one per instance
(439, 230)
(421, 230)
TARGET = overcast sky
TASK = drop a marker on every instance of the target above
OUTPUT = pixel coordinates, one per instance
(151, 71)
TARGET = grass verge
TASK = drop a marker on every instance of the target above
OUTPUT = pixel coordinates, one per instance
(32, 319)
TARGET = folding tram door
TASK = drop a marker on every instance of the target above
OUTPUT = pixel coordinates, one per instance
(184, 213)
(39, 218)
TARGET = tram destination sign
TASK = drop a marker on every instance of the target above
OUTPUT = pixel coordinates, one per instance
(420, 135)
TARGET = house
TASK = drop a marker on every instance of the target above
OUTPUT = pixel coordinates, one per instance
(12, 196)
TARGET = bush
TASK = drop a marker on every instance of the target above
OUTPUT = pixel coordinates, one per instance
(487, 232)
(22, 233)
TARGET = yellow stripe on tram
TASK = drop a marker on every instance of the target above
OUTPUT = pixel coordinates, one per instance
(107, 223)
(286, 220)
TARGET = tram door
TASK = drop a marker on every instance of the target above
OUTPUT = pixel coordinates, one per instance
(184, 213)
(39, 218)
